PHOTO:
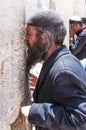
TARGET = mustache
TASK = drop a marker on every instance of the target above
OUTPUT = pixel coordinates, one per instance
(28, 45)
(29, 49)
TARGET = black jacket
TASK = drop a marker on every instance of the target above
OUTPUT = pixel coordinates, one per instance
(79, 47)
(60, 94)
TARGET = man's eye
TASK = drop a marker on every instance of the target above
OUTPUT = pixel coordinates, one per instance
(28, 34)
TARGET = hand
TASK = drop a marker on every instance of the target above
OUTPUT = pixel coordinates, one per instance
(32, 80)
(71, 31)
(25, 110)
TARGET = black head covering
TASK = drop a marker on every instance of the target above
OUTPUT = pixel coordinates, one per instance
(45, 18)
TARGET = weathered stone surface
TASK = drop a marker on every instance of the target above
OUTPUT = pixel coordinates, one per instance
(12, 60)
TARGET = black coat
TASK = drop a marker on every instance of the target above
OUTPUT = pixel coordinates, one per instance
(80, 50)
(60, 94)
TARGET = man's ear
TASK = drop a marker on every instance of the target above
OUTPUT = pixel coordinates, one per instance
(45, 37)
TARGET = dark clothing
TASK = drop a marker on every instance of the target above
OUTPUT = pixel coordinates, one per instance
(60, 94)
(79, 47)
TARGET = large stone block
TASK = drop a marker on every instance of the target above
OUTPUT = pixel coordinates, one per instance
(13, 87)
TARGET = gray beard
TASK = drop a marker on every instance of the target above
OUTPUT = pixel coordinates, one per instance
(35, 55)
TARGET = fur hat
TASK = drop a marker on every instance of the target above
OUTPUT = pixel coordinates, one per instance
(45, 18)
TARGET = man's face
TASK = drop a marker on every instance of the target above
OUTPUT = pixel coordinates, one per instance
(71, 30)
(36, 44)
(76, 27)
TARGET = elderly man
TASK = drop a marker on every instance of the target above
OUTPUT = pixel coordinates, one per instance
(60, 93)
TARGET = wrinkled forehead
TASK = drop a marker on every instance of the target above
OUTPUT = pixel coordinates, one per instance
(31, 28)
(34, 29)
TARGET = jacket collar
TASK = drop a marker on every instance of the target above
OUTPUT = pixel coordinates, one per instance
(46, 67)
(80, 31)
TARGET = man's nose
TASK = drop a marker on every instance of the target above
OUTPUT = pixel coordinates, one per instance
(26, 38)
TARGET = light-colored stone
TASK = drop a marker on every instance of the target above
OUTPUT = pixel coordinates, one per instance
(3, 126)
(12, 60)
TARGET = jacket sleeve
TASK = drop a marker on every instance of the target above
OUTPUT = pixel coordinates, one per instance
(69, 111)
(78, 45)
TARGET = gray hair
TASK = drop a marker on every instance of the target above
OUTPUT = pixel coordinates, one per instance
(57, 33)
(49, 20)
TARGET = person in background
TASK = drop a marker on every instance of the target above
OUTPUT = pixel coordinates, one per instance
(78, 46)
(72, 35)
(83, 61)
(60, 93)
(83, 21)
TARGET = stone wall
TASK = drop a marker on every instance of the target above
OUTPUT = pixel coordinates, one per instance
(12, 60)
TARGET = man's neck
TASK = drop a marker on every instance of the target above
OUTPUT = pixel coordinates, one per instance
(51, 51)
